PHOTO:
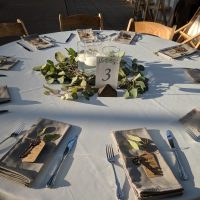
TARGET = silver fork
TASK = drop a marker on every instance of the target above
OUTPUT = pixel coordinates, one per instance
(111, 158)
(193, 135)
(15, 133)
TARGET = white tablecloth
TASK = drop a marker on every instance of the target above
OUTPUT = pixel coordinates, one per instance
(86, 174)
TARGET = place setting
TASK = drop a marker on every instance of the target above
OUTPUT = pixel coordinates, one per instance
(31, 160)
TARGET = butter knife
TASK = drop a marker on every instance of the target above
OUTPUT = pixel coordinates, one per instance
(70, 37)
(182, 174)
(68, 148)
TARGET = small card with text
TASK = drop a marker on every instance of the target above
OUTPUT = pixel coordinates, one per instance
(107, 70)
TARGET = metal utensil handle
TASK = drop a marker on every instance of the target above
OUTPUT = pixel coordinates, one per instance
(118, 191)
(4, 140)
(182, 172)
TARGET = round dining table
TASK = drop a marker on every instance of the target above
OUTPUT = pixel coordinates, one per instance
(86, 174)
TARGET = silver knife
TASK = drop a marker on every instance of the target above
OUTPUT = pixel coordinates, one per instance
(182, 174)
(68, 148)
(70, 37)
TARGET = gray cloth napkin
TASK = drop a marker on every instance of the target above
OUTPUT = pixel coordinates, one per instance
(195, 74)
(7, 62)
(192, 122)
(11, 165)
(4, 94)
(146, 187)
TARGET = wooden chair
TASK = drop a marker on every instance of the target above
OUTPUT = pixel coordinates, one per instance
(151, 28)
(13, 29)
(190, 32)
(79, 21)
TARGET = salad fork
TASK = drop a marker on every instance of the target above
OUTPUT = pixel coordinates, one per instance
(15, 133)
(111, 159)
(193, 135)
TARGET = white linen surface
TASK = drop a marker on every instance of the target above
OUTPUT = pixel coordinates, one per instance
(86, 174)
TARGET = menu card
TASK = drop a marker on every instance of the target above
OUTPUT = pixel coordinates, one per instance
(33, 172)
(149, 175)
(36, 42)
(177, 51)
(6, 62)
(124, 37)
(86, 35)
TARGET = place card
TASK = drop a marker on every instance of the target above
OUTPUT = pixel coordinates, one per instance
(107, 71)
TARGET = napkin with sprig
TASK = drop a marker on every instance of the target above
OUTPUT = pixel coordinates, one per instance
(7, 62)
(4, 94)
(191, 122)
(149, 175)
(15, 166)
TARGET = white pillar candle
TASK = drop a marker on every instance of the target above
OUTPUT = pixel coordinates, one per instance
(81, 61)
(90, 61)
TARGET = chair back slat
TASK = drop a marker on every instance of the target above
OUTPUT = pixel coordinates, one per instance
(13, 29)
(80, 21)
(152, 28)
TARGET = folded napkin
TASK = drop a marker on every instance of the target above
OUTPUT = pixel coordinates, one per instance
(14, 168)
(192, 122)
(4, 94)
(195, 74)
(6, 62)
(149, 175)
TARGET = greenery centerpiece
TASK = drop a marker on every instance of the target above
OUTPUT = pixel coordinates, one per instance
(75, 83)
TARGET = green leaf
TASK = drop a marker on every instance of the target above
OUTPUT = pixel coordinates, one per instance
(53, 91)
(50, 80)
(39, 133)
(134, 145)
(134, 138)
(61, 79)
(51, 137)
(60, 57)
(50, 62)
(121, 54)
(141, 84)
(136, 77)
(133, 92)
(62, 73)
(126, 94)
(83, 83)
(46, 92)
(37, 68)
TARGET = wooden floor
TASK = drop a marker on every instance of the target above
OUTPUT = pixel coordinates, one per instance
(41, 16)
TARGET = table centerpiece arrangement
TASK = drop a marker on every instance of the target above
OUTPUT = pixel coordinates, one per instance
(76, 83)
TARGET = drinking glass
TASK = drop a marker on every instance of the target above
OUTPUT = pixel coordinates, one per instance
(92, 50)
(110, 51)
(81, 55)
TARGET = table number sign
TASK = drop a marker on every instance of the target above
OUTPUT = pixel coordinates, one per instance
(107, 71)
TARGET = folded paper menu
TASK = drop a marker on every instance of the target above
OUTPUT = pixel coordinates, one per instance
(4, 94)
(149, 175)
(191, 121)
(176, 51)
(6, 62)
(124, 37)
(16, 165)
(86, 35)
(35, 42)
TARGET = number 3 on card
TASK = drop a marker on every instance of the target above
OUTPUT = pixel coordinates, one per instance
(107, 71)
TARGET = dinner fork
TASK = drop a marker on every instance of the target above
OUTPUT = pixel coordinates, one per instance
(111, 158)
(193, 135)
(15, 133)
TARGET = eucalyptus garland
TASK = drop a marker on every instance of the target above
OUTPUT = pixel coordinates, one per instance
(75, 83)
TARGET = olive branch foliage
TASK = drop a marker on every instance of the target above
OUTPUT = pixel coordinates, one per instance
(75, 83)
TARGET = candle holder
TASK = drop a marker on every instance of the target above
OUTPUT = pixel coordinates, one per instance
(92, 50)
